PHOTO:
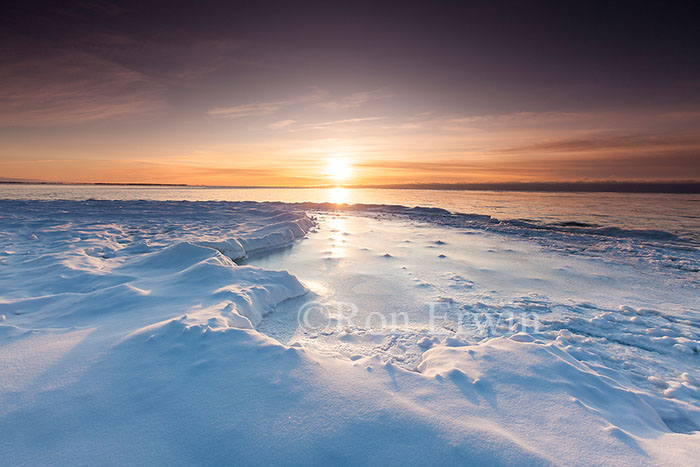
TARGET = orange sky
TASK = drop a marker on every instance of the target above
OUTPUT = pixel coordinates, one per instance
(426, 93)
(383, 149)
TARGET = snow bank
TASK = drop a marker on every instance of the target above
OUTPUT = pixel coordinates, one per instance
(549, 378)
(78, 262)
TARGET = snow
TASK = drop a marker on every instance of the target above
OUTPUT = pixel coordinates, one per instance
(140, 332)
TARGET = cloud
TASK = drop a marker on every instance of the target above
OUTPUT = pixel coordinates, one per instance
(667, 164)
(354, 100)
(72, 87)
(346, 121)
(256, 109)
(444, 166)
(517, 117)
(247, 110)
(316, 97)
(691, 115)
(606, 143)
(281, 124)
(433, 121)
(176, 63)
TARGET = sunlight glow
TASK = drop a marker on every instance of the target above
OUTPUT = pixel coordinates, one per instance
(338, 169)
(337, 227)
(338, 195)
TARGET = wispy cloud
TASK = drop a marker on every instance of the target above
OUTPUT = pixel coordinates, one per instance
(71, 88)
(281, 124)
(354, 100)
(659, 165)
(316, 98)
(331, 123)
(256, 109)
(247, 110)
(607, 143)
(510, 120)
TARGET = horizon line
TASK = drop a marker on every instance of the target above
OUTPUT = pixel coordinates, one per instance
(669, 187)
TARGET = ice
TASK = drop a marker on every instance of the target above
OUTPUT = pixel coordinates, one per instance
(169, 333)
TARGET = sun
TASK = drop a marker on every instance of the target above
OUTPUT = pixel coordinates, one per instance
(338, 169)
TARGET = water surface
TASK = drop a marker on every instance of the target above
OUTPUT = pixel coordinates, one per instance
(678, 214)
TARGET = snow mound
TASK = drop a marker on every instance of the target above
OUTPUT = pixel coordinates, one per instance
(533, 387)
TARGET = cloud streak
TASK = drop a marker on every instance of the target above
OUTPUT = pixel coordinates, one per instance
(354, 100)
(607, 143)
(333, 123)
(73, 88)
(317, 98)
(281, 124)
(247, 110)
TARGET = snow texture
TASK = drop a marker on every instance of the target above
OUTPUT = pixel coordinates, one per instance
(130, 334)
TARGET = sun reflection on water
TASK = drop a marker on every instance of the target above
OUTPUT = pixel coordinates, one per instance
(337, 227)
(338, 195)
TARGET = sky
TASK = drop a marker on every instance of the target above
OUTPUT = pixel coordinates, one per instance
(349, 93)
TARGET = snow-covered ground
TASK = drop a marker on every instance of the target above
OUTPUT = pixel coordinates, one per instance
(141, 333)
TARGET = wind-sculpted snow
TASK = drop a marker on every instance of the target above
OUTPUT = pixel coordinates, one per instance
(129, 335)
(64, 259)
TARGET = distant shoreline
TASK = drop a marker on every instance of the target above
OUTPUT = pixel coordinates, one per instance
(681, 187)
(31, 182)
